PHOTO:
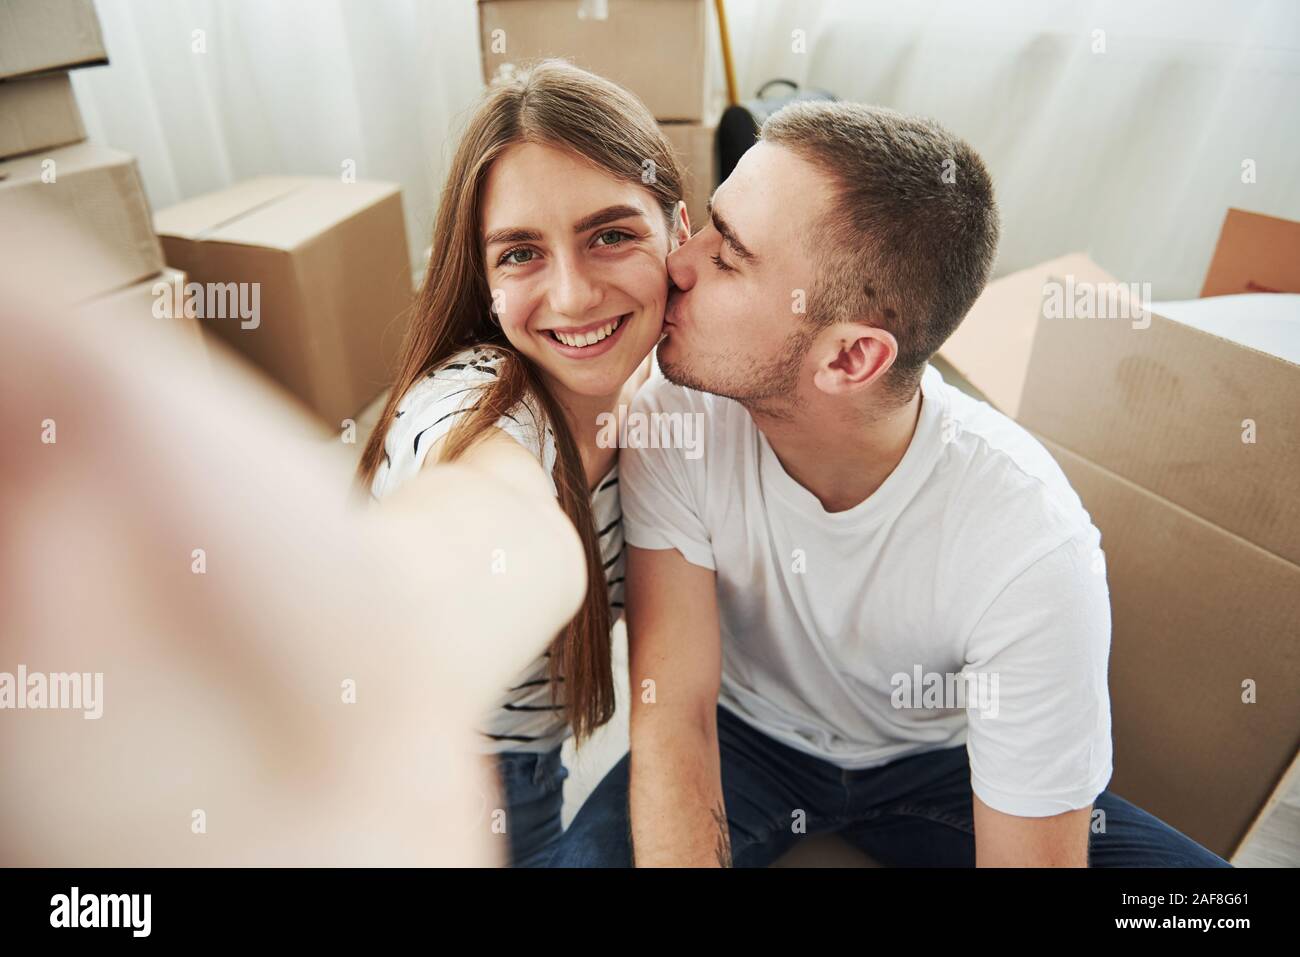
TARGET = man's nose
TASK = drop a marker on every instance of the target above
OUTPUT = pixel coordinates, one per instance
(681, 268)
(573, 292)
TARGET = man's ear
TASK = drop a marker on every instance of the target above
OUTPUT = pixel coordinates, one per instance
(853, 356)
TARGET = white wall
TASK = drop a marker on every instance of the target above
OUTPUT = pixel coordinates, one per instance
(285, 87)
(1132, 154)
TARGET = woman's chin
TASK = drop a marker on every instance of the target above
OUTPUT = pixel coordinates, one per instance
(603, 379)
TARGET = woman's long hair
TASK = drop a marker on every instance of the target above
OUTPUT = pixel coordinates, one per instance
(558, 105)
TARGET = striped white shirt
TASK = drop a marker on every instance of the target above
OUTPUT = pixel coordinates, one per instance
(524, 718)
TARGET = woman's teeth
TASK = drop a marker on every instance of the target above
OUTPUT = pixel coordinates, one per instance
(587, 339)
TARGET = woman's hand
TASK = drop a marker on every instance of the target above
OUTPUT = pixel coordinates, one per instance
(287, 679)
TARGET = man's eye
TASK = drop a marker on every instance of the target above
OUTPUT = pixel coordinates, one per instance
(619, 234)
(506, 259)
(717, 261)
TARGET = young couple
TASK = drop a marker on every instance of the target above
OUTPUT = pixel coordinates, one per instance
(858, 543)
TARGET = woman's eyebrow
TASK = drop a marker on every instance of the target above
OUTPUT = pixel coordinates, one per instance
(514, 234)
(518, 234)
(609, 214)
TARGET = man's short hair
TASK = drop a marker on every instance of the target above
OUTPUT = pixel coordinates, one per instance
(911, 237)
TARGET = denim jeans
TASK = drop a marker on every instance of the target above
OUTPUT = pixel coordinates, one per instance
(912, 812)
(532, 786)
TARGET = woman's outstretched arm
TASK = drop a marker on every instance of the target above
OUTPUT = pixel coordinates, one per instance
(279, 677)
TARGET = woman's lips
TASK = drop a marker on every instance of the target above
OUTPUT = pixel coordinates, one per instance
(596, 348)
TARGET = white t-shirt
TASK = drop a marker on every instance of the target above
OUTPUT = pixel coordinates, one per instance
(975, 557)
(524, 718)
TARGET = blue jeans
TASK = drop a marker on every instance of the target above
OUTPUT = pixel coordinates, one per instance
(532, 786)
(912, 812)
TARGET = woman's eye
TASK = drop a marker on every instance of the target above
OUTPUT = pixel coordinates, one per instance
(717, 261)
(618, 234)
(508, 260)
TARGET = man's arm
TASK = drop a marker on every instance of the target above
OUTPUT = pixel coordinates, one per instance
(675, 788)
(1040, 749)
(1005, 840)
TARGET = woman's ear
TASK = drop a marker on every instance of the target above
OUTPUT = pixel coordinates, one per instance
(681, 224)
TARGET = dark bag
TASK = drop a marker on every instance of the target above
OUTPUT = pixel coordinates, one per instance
(738, 128)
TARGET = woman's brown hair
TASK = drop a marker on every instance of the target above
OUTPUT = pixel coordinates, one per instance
(559, 105)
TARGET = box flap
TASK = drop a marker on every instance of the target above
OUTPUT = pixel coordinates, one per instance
(277, 212)
(992, 346)
(1255, 253)
(195, 217)
(1264, 321)
(300, 215)
(1200, 421)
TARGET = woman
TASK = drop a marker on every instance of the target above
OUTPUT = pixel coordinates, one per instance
(545, 291)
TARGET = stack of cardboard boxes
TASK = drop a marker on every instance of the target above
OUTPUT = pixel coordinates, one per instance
(309, 279)
(1184, 447)
(625, 41)
(62, 188)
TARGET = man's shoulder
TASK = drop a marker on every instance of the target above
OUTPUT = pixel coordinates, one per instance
(1008, 450)
(1005, 473)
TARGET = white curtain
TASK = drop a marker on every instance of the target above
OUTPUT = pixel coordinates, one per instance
(1121, 128)
(285, 87)
(1132, 154)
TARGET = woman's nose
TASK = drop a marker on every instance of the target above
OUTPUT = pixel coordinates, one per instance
(573, 293)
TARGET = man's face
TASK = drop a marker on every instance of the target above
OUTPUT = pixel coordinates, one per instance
(734, 324)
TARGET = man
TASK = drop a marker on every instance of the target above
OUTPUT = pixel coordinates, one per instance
(873, 605)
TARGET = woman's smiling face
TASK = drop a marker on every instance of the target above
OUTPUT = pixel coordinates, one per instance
(574, 259)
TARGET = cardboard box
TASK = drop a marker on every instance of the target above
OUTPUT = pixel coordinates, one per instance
(37, 114)
(157, 301)
(40, 35)
(321, 277)
(1255, 253)
(662, 50)
(1201, 530)
(1197, 611)
(697, 151)
(73, 191)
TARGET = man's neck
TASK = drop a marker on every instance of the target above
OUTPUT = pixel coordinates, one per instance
(841, 455)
